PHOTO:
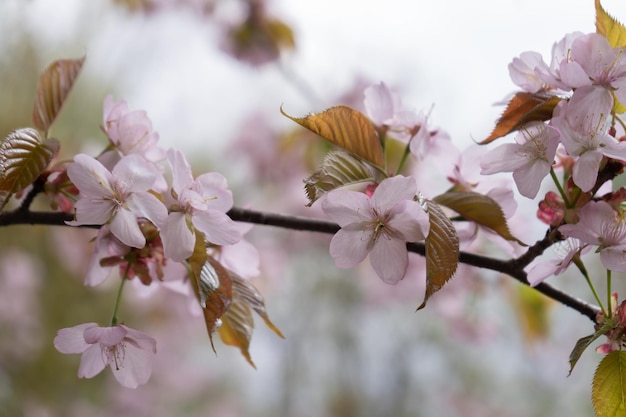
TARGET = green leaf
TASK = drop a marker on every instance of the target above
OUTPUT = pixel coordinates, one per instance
(23, 157)
(609, 27)
(608, 390)
(523, 108)
(583, 343)
(442, 251)
(338, 169)
(346, 128)
(54, 86)
(478, 208)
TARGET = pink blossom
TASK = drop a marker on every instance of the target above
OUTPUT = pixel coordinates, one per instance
(130, 131)
(563, 73)
(201, 203)
(601, 226)
(386, 110)
(530, 159)
(604, 66)
(380, 225)
(116, 198)
(128, 352)
(566, 250)
(583, 123)
(523, 71)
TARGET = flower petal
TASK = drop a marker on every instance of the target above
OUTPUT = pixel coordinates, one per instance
(124, 227)
(91, 362)
(350, 245)
(72, 339)
(392, 190)
(178, 240)
(390, 258)
(217, 227)
(346, 207)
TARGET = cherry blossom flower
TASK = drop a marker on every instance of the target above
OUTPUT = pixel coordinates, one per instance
(529, 159)
(604, 66)
(563, 73)
(522, 71)
(202, 204)
(128, 352)
(583, 123)
(130, 132)
(379, 225)
(601, 226)
(565, 252)
(386, 110)
(116, 197)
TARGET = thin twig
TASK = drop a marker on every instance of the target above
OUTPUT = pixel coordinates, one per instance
(513, 268)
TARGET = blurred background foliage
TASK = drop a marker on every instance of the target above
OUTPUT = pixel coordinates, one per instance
(354, 346)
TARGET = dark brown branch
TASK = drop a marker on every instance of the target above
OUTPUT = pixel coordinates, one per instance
(513, 268)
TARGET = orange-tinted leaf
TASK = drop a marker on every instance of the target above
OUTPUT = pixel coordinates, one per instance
(523, 108)
(238, 323)
(237, 327)
(23, 157)
(478, 208)
(609, 27)
(608, 390)
(347, 128)
(339, 168)
(250, 295)
(54, 85)
(442, 251)
(215, 290)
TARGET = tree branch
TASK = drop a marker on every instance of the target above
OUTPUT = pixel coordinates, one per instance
(514, 267)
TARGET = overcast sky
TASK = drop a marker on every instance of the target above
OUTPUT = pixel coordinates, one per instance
(451, 54)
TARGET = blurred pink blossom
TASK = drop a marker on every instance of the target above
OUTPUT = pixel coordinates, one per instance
(128, 352)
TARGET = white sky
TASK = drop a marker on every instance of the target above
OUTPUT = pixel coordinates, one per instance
(452, 54)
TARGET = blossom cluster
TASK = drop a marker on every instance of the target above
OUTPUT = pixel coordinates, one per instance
(589, 75)
(148, 220)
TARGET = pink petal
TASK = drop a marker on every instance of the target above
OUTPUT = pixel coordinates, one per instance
(136, 173)
(410, 220)
(91, 362)
(392, 190)
(379, 103)
(390, 258)
(585, 170)
(178, 239)
(217, 227)
(182, 176)
(107, 336)
(528, 178)
(614, 258)
(350, 246)
(346, 207)
(124, 227)
(93, 211)
(146, 205)
(90, 176)
(215, 187)
(72, 339)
